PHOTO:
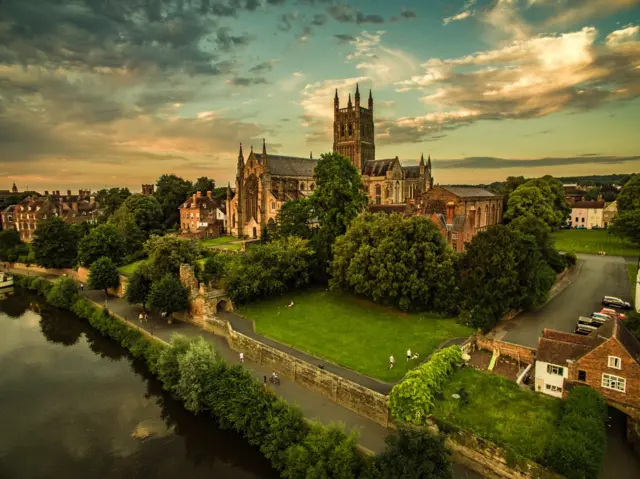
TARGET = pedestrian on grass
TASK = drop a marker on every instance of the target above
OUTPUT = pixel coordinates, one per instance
(81, 286)
(408, 354)
(140, 317)
(265, 381)
(242, 357)
(146, 317)
(392, 362)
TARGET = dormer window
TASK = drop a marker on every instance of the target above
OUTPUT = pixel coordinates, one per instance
(615, 362)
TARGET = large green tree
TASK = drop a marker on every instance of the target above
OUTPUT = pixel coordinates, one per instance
(109, 200)
(404, 262)
(132, 236)
(541, 233)
(537, 198)
(627, 223)
(139, 286)
(103, 240)
(168, 295)
(294, 219)
(146, 211)
(204, 184)
(55, 244)
(11, 246)
(167, 253)
(103, 275)
(171, 192)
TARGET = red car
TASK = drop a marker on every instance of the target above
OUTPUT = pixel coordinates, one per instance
(612, 313)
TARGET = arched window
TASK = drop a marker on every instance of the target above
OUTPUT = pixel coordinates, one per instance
(486, 215)
(312, 187)
(479, 222)
(397, 195)
(233, 221)
(493, 214)
(378, 194)
(251, 199)
(301, 186)
(342, 130)
(350, 129)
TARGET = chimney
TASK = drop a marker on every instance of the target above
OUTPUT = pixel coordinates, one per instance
(92, 200)
(68, 192)
(210, 195)
(193, 200)
(198, 194)
(451, 208)
(46, 193)
(600, 198)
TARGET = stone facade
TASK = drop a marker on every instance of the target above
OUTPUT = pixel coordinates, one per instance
(461, 212)
(515, 351)
(264, 182)
(609, 213)
(148, 189)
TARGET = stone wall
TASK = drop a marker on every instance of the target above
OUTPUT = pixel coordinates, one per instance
(360, 399)
(637, 298)
(515, 351)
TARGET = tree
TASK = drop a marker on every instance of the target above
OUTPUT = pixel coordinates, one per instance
(339, 196)
(171, 192)
(167, 253)
(139, 286)
(55, 244)
(404, 262)
(11, 246)
(103, 240)
(109, 200)
(214, 267)
(146, 211)
(509, 187)
(204, 184)
(267, 270)
(132, 236)
(627, 223)
(63, 293)
(168, 295)
(541, 233)
(413, 453)
(103, 274)
(542, 198)
(559, 201)
(294, 219)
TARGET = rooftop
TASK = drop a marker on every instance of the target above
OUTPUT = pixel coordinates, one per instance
(468, 191)
(378, 167)
(588, 204)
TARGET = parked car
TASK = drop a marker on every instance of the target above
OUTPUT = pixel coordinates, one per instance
(582, 328)
(612, 313)
(615, 302)
(600, 318)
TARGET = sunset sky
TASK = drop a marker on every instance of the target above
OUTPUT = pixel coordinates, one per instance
(97, 93)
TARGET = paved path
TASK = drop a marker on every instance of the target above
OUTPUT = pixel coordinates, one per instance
(312, 404)
(598, 276)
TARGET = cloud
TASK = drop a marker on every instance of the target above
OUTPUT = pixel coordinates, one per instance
(407, 13)
(227, 42)
(459, 16)
(264, 67)
(291, 83)
(345, 14)
(524, 79)
(498, 163)
(381, 64)
(247, 81)
(344, 38)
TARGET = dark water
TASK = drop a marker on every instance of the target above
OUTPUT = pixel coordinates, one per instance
(74, 405)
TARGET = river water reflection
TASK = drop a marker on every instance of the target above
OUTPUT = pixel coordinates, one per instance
(74, 405)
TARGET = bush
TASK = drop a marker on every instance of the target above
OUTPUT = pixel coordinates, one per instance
(570, 259)
(577, 448)
(412, 399)
(64, 292)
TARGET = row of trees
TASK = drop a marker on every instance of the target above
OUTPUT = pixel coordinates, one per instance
(627, 223)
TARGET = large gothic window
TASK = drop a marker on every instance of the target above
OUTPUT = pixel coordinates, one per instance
(350, 129)
(251, 198)
(342, 130)
(493, 215)
(397, 195)
(378, 194)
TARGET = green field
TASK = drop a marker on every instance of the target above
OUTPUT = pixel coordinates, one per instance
(219, 241)
(500, 411)
(128, 269)
(593, 241)
(352, 332)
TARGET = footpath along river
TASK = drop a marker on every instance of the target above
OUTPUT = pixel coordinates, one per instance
(73, 404)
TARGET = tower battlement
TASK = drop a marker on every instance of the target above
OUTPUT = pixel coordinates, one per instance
(353, 130)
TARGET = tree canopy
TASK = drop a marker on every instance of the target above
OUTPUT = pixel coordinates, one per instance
(171, 191)
(539, 197)
(146, 211)
(168, 295)
(55, 244)
(294, 219)
(167, 253)
(139, 286)
(11, 246)
(403, 262)
(103, 240)
(204, 184)
(111, 199)
(132, 236)
(103, 274)
(627, 222)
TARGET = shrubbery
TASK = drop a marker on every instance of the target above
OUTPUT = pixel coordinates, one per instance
(412, 399)
(63, 293)
(577, 448)
(570, 259)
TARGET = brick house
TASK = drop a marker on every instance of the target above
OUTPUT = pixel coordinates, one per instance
(607, 360)
(201, 216)
(461, 212)
(7, 217)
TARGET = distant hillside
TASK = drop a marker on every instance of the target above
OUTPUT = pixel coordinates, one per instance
(593, 180)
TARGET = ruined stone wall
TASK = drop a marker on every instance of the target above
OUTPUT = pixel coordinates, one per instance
(515, 351)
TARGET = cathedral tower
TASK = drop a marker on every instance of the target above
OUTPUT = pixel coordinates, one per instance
(353, 134)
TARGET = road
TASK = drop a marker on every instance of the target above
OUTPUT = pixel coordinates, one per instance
(599, 276)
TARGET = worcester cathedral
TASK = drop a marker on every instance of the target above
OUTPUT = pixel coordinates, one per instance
(264, 182)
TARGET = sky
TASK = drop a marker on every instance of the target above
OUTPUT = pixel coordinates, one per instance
(101, 93)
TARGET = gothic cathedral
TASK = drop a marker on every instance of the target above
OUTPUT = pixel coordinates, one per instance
(265, 182)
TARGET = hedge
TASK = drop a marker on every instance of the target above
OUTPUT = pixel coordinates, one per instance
(412, 399)
(577, 448)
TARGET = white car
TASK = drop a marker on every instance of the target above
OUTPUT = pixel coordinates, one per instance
(615, 302)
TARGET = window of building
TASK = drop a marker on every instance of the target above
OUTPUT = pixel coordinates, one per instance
(577, 219)
(350, 129)
(378, 189)
(301, 186)
(615, 362)
(582, 375)
(551, 369)
(551, 387)
(312, 187)
(583, 220)
(273, 206)
(616, 383)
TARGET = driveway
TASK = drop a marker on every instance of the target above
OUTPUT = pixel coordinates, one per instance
(599, 276)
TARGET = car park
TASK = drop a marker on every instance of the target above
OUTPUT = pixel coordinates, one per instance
(612, 313)
(615, 302)
(600, 318)
(583, 328)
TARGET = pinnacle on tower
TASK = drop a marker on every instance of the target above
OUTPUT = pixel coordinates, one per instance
(264, 147)
(370, 100)
(240, 155)
(357, 94)
(421, 159)
(311, 155)
(349, 105)
(336, 100)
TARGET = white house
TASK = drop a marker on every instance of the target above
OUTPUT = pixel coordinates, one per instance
(220, 215)
(588, 214)
(556, 350)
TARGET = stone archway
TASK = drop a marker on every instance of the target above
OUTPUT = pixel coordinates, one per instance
(223, 305)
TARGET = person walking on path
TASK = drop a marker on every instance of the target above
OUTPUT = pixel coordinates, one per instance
(392, 362)
(408, 354)
(140, 317)
(242, 357)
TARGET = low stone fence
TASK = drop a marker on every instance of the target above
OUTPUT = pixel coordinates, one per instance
(514, 351)
(81, 274)
(359, 399)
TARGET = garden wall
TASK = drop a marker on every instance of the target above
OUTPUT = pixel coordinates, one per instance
(82, 275)
(360, 399)
(515, 351)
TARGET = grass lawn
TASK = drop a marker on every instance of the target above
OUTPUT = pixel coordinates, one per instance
(220, 240)
(128, 269)
(500, 411)
(592, 241)
(632, 268)
(352, 332)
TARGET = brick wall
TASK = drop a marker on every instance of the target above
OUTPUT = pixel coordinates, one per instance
(596, 363)
(515, 351)
(362, 400)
